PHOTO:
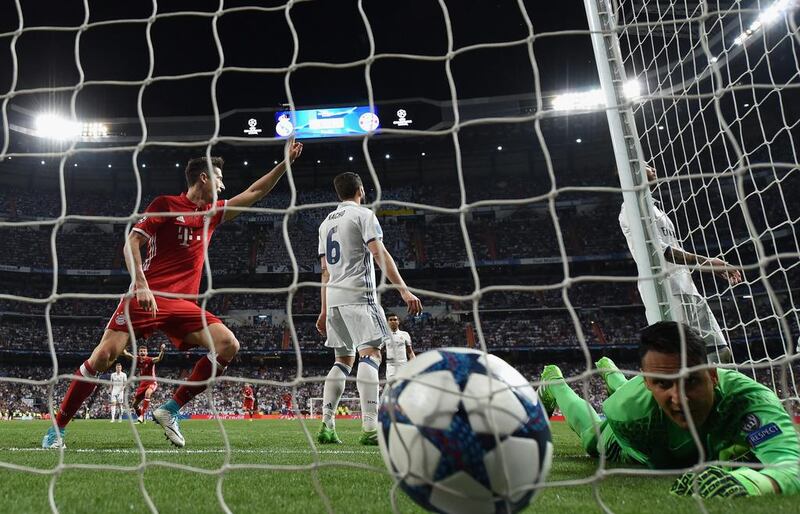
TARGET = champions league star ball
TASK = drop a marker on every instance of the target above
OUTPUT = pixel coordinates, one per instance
(463, 432)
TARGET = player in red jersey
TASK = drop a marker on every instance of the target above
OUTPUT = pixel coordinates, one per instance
(248, 403)
(145, 367)
(176, 230)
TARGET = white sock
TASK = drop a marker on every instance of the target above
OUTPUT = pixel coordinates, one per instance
(332, 392)
(367, 383)
(113, 412)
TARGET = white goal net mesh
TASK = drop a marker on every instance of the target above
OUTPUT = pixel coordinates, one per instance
(716, 116)
(717, 120)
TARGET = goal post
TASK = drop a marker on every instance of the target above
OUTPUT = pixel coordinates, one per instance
(630, 162)
(350, 403)
(705, 94)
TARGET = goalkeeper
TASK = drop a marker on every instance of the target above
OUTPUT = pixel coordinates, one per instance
(736, 418)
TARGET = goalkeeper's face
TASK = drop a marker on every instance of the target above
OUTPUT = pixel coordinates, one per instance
(698, 386)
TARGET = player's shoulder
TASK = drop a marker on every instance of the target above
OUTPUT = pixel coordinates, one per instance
(404, 334)
(167, 202)
(732, 383)
(631, 401)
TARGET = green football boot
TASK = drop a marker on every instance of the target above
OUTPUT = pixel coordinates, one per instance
(327, 435)
(369, 438)
(550, 373)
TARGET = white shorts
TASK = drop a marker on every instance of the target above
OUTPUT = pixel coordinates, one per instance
(118, 397)
(352, 328)
(392, 368)
(698, 315)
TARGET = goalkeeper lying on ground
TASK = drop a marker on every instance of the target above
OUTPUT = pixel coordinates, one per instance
(737, 419)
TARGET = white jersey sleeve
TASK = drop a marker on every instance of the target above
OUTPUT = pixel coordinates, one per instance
(680, 277)
(370, 227)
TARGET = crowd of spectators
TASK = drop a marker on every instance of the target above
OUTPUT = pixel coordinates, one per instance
(419, 238)
(287, 395)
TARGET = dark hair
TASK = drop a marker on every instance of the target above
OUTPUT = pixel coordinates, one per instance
(665, 337)
(347, 184)
(199, 165)
(392, 315)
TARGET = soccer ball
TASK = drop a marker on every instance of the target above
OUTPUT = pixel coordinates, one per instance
(463, 431)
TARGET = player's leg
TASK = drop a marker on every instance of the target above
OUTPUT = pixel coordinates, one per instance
(114, 409)
(338, 338)
(103, 356)
(580, 415)
(367, 381)
(138, 397)
(224, 346)
(611, 375)
(718, 351)
(146, 401)
(367, 326)
(697, 314)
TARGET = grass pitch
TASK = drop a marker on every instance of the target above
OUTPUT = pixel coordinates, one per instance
(352, 476)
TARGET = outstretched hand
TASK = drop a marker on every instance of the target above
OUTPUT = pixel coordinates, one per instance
(412, 302)
(724, 270)
(295, 149)
(709, 483)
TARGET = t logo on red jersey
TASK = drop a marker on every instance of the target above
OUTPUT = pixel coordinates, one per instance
(185, 235)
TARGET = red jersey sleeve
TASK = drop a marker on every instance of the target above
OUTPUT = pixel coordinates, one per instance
(149, 224)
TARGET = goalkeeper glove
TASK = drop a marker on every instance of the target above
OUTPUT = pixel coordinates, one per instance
(718, 482)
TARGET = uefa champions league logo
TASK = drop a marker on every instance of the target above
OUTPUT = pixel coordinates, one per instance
(401, 120)
(252, 130)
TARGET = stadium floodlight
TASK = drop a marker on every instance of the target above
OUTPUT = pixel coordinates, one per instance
(109, 165)
(772, 14)
(245, 163)
(350, 158)
(423, 154)
(499, 148)
(388, 156)
(594, 98)
(579, 140)
(52, 126)
(59, 128)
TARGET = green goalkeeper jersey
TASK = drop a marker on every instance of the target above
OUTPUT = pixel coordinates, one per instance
(747, 424)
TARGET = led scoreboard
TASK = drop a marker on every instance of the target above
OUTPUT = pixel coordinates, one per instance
(332, 122)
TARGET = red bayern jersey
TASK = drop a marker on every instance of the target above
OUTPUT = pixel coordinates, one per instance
(176, 244)
(146, 367)
(248, 392)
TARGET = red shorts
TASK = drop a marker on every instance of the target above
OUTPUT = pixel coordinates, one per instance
(176, 317)
(144, 386)
(248, 404)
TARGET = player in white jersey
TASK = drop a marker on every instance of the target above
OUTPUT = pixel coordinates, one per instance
(118, 379)
(398, 347)
(349, 238)
(694, 308)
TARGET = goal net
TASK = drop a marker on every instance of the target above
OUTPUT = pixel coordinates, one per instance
(497, 180)
(714, 86)
(348, 408)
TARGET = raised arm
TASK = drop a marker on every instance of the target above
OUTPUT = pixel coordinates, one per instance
(721, 268)
(261, 187)
(160, 356)
(387, 264)
(323, 303)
